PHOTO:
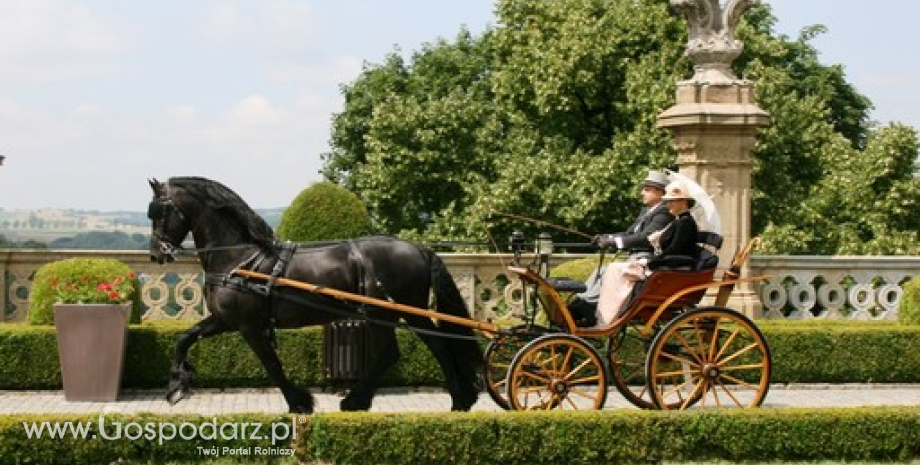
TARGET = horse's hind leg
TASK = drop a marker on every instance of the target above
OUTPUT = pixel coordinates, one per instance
(463, 397)
(298, 400)
(182, 373)
(385, 352)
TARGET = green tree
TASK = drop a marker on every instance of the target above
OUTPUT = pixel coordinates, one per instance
(552, 114)
(324, 211)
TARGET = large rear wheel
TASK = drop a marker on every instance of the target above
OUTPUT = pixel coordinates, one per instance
(713, 357)
(557, 371)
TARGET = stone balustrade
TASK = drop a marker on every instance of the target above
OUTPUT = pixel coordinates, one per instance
(800, 287)
(838, 287)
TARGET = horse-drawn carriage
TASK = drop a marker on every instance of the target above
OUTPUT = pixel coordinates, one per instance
(663, 351)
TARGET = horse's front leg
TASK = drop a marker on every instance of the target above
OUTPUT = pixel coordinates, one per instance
(298, 400)
(182, 373)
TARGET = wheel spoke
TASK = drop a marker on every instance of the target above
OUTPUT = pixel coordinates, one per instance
(729, 392)
(738, 381)
(681, 360)
(713, 344)
(740, 352)
(568, 376)
(758, 366)
(727, 344)
(690, 349)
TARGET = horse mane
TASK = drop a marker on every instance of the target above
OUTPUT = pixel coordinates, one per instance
(219, 197)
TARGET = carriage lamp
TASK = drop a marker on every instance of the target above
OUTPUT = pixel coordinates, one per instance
(544, 250)
(516, 244)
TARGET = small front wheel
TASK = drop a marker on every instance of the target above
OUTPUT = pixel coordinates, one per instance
(557, 371)
(499, 355)
(713, 357)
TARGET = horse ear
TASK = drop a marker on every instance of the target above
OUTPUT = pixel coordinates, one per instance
(159, 189)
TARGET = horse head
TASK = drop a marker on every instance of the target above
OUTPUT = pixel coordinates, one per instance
(169, 226)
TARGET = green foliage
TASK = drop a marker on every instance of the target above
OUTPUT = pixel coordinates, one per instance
(624, 436)
(552, 114)
(77, 280)
(813, 352)
(579, 269)
(909, 312)
(31, 359)
(102, 240)
(324, 211)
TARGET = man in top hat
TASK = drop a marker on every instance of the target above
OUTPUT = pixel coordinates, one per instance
(653, 217)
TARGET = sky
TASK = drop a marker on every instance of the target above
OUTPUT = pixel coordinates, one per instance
(98, 96)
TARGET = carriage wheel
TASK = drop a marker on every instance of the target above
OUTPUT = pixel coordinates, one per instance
(557, 371)
(627, 350)
(499, 355)
(714, 356)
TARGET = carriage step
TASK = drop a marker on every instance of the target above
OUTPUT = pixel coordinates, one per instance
(346, 349)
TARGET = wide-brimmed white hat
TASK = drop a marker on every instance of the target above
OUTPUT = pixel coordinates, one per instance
(676, 190)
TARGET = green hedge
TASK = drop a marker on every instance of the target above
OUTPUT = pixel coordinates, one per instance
(531, 438)
(622, 436)
(817, 352)
(29, 359)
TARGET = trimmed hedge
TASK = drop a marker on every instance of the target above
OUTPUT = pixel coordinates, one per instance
(622, 436)
(29, 359)
(531, 438)
(813, 352)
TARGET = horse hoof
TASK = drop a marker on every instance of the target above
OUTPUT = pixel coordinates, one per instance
(303, 409)
(174, 396)
(350, 404)
(464, 405)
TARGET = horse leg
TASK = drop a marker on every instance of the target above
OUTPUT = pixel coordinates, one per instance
(298, 400)
(385, 354)
(462, 397)
(182, 372)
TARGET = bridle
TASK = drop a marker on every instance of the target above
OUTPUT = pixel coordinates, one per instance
(162, 208)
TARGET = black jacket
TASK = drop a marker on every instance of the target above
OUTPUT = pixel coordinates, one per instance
(635, 239)
(678, 244)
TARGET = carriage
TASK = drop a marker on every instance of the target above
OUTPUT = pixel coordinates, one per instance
(664, 351)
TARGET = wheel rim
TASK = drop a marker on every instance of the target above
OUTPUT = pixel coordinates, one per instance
(498, 357)
(557, 371)
(714, 358)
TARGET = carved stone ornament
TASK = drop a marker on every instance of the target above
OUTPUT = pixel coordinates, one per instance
(711, 45)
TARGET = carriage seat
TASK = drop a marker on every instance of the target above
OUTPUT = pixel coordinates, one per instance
(709, 244)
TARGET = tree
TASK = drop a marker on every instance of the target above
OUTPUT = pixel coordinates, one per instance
(552, 114)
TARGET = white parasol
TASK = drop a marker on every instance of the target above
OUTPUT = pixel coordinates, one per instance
(704, 212)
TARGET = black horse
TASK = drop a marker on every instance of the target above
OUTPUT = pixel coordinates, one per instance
(229, 235)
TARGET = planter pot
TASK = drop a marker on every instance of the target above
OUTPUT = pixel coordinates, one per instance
(91, 348)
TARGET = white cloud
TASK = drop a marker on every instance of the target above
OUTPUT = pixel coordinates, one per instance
(275, 25)
(52, 40)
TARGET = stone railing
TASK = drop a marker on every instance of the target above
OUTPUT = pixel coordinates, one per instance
(839, 287)
(801, 287)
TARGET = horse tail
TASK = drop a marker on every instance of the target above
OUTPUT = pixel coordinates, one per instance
(468, 353)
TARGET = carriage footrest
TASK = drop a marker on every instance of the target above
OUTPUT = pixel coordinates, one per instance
(567, 285)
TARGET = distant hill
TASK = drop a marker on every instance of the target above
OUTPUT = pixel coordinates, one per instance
(69, 228)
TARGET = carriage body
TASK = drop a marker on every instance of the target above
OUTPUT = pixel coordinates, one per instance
(663, 351)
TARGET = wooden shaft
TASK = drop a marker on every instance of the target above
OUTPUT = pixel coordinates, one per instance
(351, 297)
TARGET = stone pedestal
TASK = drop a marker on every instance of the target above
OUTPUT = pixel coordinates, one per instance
(714, 126)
